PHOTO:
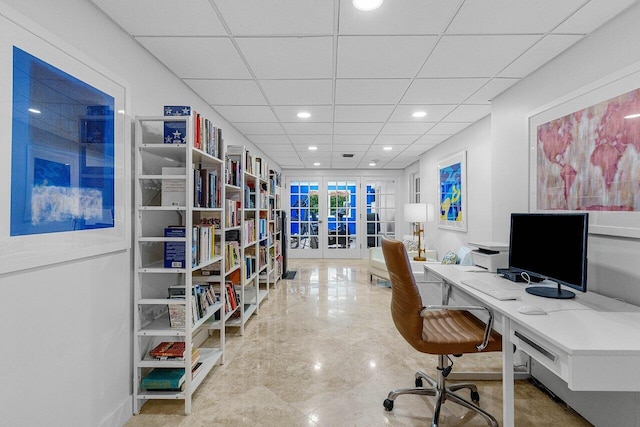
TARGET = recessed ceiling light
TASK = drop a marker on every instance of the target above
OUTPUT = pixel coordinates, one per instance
(35, 111)
(388, 148)
(304, 115)
(316, 164)
(372, 164)
(367, 5)
(312, 148)
(632, 116)
(419, 114)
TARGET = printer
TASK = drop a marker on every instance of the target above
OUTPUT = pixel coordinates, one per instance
(490, 255)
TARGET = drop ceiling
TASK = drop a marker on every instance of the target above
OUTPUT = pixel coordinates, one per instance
(360, 75)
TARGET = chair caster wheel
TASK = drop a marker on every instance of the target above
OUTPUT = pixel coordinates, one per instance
(388, 404)
(475, 396)
(418, 382)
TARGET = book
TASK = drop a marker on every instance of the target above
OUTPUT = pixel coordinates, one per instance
(174, 191)
(168, 349)
(177, 315)
(176, 132)
(163, 378)
(174, 252)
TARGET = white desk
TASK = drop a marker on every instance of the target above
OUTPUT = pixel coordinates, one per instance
(591, 342)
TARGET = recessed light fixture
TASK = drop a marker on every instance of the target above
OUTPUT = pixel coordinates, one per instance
(35, 111)
(419, 114)
(632, 116)
(316, 164)
(120, 111)
(372, 164)
(303, 115)
(312, 148)
(367, 5)
(388, 148)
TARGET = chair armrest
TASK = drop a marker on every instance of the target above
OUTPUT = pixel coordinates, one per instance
(488, 326)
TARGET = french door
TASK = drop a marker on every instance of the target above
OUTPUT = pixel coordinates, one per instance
(324, 218)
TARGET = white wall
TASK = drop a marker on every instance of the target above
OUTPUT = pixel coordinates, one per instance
(67, 328)
(476, 140)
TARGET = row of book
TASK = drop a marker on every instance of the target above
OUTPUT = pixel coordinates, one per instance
(231, 255)
(202, 297)
(206, 191)
(233, 298)
(232, 211)
(203, 246)
(233, 171)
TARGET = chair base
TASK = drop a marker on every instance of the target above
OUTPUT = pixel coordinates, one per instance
(442, 392)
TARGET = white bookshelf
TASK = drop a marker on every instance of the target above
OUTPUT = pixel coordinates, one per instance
(178, 184)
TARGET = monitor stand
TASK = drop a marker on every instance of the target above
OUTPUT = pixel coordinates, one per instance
(549, 292)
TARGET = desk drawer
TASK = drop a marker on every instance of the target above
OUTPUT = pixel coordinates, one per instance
(544, 352)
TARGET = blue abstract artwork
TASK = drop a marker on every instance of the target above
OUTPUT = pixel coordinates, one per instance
(62, 152)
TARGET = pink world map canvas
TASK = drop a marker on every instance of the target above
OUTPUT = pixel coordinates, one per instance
(590, 159)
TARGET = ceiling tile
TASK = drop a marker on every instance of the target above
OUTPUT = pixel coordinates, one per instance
(592, 15)
(398, 17)
(362, 113)
(246, 113)
(406, 128)
(307, 128)
(259, 128)
(357, 128)
(216, 57)
(435, 113)
(276, 148)
(492, 89)
(352, 148)
(259, 17)
(270, 140)
(370, 91)
(443, 128)
(469, 113)
(475, 56)
(311, 139)
(289, 57)
(511, 16)
(542, 52)
(319, 113)
(227, 92)
(360, 56)
(395, 139)
(441, 91)
(298, 92)
(341, 140)
(429, 140)
(164, 17)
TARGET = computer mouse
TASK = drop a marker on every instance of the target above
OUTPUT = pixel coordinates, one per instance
(531, 309)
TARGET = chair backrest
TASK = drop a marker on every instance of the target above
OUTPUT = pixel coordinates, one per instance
(406, 302)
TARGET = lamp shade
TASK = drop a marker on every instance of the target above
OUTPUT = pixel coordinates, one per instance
(415, 212)
(431, 212)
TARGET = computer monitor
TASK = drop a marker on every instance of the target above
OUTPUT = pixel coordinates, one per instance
(550, 246)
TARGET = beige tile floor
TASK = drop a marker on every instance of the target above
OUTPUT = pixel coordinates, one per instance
(324, 352)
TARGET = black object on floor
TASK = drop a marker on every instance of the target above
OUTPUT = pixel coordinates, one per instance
(291, 274)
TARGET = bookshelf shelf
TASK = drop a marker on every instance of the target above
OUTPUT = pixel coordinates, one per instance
(179, 233)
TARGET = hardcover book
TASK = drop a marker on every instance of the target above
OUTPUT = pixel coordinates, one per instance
(168, 349)
(163, 378)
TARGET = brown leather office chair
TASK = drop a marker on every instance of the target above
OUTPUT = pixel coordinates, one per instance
(442, 330)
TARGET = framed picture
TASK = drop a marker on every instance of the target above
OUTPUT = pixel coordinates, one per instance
(65, 157)
(585, 152)
(452, 182)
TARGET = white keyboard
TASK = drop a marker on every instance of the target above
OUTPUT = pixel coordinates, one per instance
(491, 290)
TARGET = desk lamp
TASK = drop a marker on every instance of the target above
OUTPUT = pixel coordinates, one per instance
(419, 213)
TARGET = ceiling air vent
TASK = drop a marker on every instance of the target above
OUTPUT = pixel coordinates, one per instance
(347, 155)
